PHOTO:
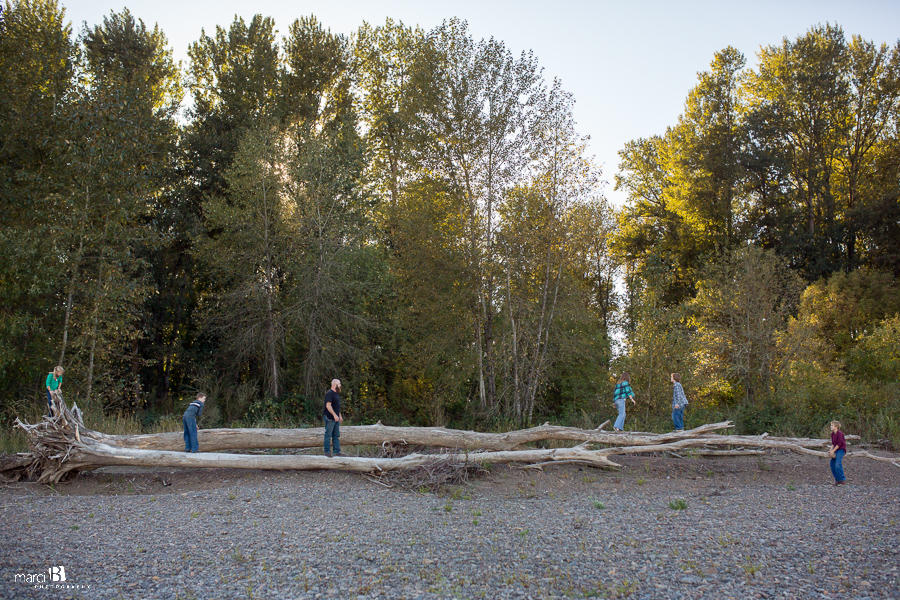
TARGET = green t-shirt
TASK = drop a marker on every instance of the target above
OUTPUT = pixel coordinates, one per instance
(53, 382)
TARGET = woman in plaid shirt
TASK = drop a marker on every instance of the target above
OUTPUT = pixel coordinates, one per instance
(620, 395)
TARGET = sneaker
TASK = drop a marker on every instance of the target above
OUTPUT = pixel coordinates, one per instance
(338, 454)
(328, 454)
(615, 429)
(841, 482)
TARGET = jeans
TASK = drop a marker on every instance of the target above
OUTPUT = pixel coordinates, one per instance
(332, 433)
(678, 417)
(837, 469)
(620, 420)
(190, 434)
(49, 403)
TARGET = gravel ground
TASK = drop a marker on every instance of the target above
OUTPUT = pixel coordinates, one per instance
(750, 528)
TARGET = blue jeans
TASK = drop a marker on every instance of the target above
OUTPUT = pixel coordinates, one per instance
(49, 403)
(332, 433)
(678, 417)
(190, 434)
(620, 420)
(837, 469)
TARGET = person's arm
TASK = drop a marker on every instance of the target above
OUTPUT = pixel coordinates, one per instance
(682, 399)
(336, 416)
(630, 394)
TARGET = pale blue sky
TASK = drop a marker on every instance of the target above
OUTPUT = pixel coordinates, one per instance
(630, 65)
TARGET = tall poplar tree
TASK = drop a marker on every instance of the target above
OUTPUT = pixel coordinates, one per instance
(121, 127)
(37, 59)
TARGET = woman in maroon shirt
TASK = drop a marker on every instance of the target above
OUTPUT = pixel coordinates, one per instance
(838, 450)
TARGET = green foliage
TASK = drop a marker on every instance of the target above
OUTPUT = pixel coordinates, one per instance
(743, 301)
(876, 358)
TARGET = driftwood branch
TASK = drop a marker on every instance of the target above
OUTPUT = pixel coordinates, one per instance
(62, 444)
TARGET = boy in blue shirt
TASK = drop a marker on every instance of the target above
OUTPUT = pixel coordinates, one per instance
(189, 420)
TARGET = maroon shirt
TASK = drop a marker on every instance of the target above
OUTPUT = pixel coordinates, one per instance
(837, 439)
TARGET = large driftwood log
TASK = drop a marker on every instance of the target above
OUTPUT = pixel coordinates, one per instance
(62, 444)
(215, 440)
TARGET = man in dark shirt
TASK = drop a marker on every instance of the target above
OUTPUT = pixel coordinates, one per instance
(333, 418)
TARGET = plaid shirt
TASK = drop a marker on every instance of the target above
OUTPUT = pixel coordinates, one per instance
(623, 390)
(679, 400)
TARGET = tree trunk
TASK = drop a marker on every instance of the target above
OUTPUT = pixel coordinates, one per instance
(90, 378)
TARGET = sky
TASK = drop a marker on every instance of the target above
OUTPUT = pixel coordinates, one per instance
(629, 64)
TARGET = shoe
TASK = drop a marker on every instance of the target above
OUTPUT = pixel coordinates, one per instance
(615, 429)
(338, 454)
(328, 454)
(841, 482)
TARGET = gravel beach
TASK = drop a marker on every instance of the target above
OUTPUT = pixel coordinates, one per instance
(661, 528)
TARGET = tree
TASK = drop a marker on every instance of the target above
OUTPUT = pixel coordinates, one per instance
(234, 79)
(803, 86)
(324, 182)
(706, 162)
(37, 59)
(122, 131)
(479, 130)
(389, 68)
(534, 226)
(874, 75)
(287, 211)
(649, 229)
(246, 252)
(744, 300)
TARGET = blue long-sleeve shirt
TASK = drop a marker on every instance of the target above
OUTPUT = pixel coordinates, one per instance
(194, 410)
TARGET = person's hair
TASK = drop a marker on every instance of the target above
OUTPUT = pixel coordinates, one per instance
(59, 369)
(335, 381)
(676, 377)
(624, 377)
(836, 424)
(201, 395)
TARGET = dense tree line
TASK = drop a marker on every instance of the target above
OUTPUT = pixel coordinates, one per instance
(415, 213)
(769, 209)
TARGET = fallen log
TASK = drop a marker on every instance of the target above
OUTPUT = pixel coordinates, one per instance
(215, 440)
(61, 444)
